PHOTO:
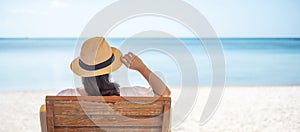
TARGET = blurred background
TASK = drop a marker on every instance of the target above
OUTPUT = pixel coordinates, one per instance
(260, 40)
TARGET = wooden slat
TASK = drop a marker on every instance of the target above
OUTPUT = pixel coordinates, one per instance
(120, 103)
(107, 98)
(101, 108)
(106, 121)
(107, 129)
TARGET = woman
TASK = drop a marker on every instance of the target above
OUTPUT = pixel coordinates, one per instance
(97, 59)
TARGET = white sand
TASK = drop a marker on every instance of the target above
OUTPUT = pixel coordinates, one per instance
(241, 109)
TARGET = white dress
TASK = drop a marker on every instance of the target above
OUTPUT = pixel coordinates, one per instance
(124, 91)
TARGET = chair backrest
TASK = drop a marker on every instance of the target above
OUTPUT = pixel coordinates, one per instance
(107, 113)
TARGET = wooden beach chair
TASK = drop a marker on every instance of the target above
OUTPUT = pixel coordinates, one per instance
(107, 113)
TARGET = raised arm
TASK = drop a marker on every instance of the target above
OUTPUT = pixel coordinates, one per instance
(135, 63)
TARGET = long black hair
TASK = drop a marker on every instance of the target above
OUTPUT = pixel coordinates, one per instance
(100, 86)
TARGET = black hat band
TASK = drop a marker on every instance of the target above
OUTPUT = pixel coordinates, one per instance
(98, 66)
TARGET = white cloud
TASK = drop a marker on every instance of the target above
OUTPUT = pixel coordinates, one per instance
(22, 11)
(58, 4)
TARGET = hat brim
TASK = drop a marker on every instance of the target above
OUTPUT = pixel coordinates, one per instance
(116, 64)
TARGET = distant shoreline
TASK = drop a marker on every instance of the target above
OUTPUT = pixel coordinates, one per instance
(56, 90)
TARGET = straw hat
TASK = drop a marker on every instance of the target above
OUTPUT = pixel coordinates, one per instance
(96, 58)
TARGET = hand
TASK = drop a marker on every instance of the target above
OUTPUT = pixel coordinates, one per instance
(133, 62)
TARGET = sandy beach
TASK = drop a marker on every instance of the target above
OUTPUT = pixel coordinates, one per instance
(251, 108)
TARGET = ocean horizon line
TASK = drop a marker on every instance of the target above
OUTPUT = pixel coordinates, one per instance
(205, 38)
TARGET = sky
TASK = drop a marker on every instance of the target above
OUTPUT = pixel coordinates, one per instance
(229, 18)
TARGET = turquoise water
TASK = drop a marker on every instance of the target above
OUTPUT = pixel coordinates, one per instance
(31, 64)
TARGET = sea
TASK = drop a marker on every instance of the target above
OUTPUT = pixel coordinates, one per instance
(44, 63)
